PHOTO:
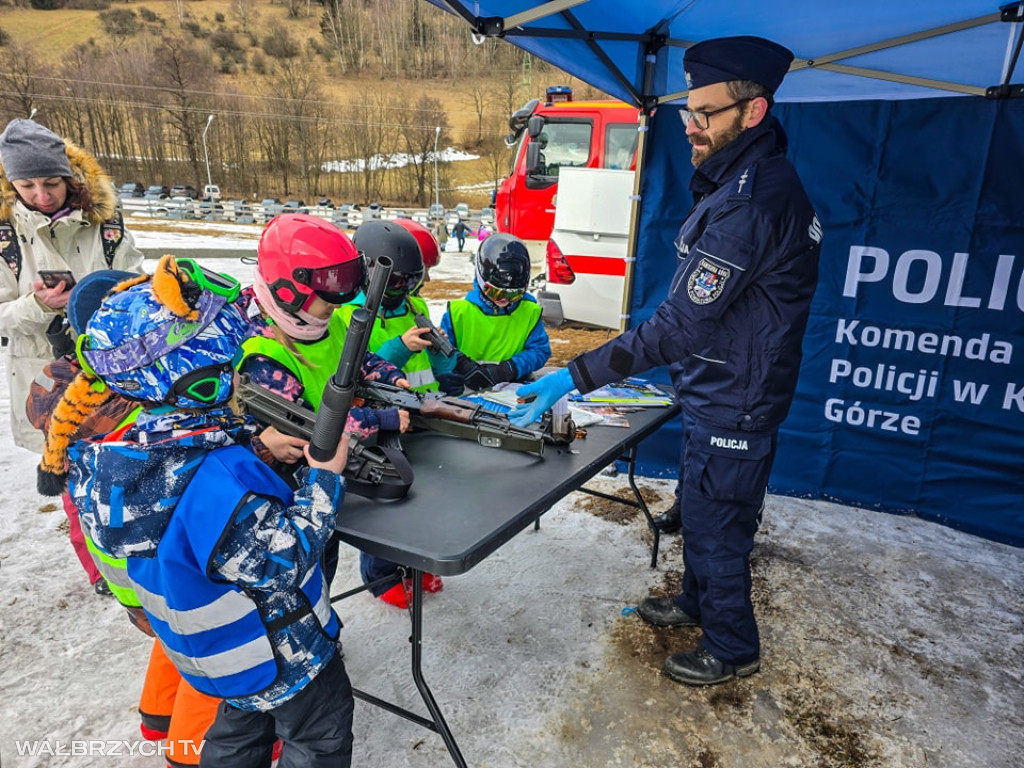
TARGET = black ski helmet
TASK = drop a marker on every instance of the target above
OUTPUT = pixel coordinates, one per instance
(386, 238)
(503, 262)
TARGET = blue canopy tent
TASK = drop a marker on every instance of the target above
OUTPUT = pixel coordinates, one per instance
(907, 127)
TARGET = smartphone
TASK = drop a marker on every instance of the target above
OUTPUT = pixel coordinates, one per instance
(52, 277)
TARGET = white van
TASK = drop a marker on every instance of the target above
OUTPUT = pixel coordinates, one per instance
(586, 254)
(211, 192)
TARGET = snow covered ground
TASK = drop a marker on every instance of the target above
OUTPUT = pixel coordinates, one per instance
(887, 642)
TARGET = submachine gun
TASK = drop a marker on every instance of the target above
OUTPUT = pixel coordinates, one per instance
(374, 471)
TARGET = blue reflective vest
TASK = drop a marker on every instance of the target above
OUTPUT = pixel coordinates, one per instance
(216, 633)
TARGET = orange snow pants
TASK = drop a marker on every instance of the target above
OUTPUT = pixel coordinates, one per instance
(174, 711)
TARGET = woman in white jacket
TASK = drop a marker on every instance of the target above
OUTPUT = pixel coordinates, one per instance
(58, 211)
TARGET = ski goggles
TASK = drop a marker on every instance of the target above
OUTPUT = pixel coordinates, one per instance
(403, 283)
(207, 385)
(496, 294)
(336, 284)
(214, 282)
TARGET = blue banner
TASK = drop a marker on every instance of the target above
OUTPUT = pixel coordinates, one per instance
(911, 395)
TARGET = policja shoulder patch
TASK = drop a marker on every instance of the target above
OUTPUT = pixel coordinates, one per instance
(707, 282)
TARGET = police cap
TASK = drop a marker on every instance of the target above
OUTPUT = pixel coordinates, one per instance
(724, 59)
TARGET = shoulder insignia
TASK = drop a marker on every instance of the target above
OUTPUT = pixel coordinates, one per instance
(743, 185)
(707, 282)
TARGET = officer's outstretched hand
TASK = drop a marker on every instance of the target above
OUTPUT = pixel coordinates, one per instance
(546, 390)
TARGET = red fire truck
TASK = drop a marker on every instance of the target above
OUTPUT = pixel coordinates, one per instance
(559, 133)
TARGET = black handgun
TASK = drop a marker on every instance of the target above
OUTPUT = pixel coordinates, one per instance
(437, 340)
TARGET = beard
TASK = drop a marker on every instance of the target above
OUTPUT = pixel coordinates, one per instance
(704, 146)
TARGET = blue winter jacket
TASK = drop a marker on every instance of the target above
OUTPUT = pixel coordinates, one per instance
(732, 326)
(224, 557)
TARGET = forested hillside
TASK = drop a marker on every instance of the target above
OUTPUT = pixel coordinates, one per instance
(336, 98)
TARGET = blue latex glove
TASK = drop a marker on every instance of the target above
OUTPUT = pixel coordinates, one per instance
(548, 390)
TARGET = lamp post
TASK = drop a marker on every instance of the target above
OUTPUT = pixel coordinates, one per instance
(209, 180)
(437, 135)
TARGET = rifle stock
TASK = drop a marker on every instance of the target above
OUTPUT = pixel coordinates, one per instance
(376, 472)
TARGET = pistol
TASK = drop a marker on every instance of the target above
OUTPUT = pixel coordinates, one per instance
(438, 342)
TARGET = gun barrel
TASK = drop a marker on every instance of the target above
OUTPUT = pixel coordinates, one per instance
(341, 387)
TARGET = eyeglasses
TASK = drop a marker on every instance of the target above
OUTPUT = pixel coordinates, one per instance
(215, 282)
(702, 118)
(494, 293)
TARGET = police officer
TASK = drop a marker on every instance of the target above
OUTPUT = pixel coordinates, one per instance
(730, 332)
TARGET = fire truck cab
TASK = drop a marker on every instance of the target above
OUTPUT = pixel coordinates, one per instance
(558, 133)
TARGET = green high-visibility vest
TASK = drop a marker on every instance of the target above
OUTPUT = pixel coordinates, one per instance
(491, 338)
(417, 369)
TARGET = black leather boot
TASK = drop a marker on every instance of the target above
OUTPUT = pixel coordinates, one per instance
(663, 612)
(698, 667)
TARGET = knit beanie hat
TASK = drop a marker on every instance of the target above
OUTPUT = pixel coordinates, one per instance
(30, 151)
(87, 295)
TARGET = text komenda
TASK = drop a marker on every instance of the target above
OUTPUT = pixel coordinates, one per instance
(980, 347)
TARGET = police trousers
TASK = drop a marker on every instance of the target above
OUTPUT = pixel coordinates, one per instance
(723, 478)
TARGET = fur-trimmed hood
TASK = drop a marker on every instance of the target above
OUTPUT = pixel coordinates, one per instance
(85, 168)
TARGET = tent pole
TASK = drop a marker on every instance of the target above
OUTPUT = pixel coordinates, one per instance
(647, 106)
(643, 118)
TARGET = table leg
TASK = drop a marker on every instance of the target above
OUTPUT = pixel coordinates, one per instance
(631, 477)
(630, 459)
(417, 670)
(436, 722)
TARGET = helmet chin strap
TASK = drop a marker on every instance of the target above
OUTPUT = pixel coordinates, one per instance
(301, 325)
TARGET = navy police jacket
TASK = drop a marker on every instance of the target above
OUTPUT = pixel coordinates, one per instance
(732, 326)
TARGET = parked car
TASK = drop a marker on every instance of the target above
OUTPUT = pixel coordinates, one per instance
(373, 211)
(463, 210)
(181, 207)
(184, 190)
(211, 210)
(131, 189)
(211, 192)
(294, 206)
(271, 207)
(156, 192)
(436, 211)
(241, 211)
(487, 216)
(325, 202)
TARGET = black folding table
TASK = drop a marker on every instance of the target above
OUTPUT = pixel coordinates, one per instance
(467, 501)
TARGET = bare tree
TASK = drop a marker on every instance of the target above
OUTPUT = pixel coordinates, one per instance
(366, 141)
(19, 83)
(343, 26)
(181, 73)
(245, 13)
(418, 135)
(493, 148)
(301, 100)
